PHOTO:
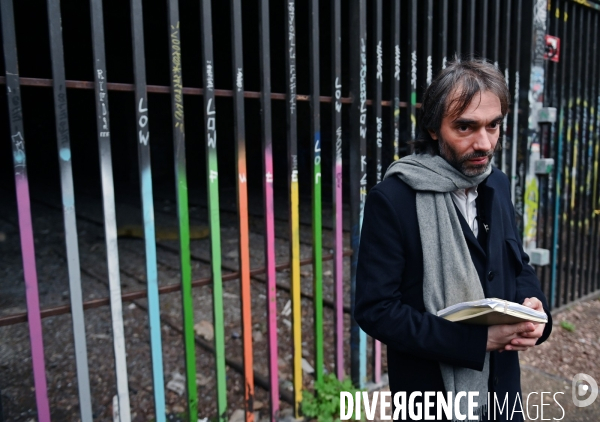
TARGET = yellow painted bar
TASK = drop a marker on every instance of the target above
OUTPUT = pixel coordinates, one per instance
(296, 298)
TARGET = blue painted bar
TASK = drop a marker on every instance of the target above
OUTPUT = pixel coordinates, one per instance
(143, 143)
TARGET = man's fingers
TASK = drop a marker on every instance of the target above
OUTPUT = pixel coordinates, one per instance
(523, 342)
(523, 327)
(511, 348)
(533, 303)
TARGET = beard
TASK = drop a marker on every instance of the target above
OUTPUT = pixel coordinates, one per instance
(462, 164)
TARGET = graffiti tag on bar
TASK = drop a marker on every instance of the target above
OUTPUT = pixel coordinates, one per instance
(379, 62)
(144, 134)
(363, 89)
(397, 62)
(211, 125)
(177, 78)
(209, 76)
(292, 56)
(338, 95)
(104, 133)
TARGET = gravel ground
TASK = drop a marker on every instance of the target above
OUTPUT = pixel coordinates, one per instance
(551, 366)
(567, 353)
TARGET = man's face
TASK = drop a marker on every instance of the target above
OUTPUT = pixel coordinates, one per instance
(468, 141)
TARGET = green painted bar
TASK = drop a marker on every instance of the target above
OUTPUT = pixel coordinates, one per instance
(182, 208)
(212, 181)
(317, 209)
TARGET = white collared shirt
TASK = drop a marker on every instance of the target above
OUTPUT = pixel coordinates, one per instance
(465, 202)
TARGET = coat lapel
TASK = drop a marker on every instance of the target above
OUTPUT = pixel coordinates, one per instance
(487, 201)
(472, 241)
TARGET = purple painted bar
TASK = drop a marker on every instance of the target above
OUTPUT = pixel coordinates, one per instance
(270, 263)
(13, 94)
(271, 279)
(33, 302)
(377, 369)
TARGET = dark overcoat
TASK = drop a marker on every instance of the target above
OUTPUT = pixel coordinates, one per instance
(389, 288)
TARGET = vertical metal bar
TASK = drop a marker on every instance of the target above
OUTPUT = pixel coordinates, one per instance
(536, 96)
(575, 219)
(595, 209)
(444, 33)
(242, 202)
(266, 123)
(395, 71)
(556, 132)
(562, 177)
(292, 127)
(515, 128)
(377, 79)
(413, 69)
(181, 189)
(108, 202)
(522, 149)
(506, 63)
(546, 148)
(592, 156)
(569, 136)
(496, 42)
(587, 155)
(13, 93)
(580, 142)
(457, 30)
(338, 205)
(596, 195)
(68, 201)
(471, 40)
(429, 42)
(143, 138)
(212, 180)
(573, 232)
(484, 28)
(317, 230)
(358, 171)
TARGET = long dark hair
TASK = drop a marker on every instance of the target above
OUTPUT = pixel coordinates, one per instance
(461, 80)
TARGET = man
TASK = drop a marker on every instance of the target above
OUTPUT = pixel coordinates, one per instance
(438, 230)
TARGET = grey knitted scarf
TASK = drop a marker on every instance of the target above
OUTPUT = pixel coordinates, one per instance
(449, 276)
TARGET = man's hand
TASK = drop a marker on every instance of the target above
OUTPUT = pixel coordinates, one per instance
(501, 336)
(525, 340)
(516, 337)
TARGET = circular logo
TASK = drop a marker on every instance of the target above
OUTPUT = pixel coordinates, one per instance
(583, 384)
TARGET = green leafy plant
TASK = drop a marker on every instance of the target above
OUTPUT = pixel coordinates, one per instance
(324, 404)
(567, 326)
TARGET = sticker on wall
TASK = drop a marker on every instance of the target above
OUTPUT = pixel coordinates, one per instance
(552, 51)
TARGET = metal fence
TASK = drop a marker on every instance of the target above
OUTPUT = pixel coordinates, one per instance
(359, 60)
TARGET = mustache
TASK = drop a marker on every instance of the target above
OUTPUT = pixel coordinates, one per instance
(478, 154)
(481, 154)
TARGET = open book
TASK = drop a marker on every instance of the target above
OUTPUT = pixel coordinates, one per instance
(491, 311)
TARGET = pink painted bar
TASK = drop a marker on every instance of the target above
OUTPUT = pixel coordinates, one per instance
(33, 302)
(270, 263)
(377, 369)
(13, 94)
(271, 280)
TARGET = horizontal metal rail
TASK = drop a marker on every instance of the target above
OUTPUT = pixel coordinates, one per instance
(21, 317)
(164, 89)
